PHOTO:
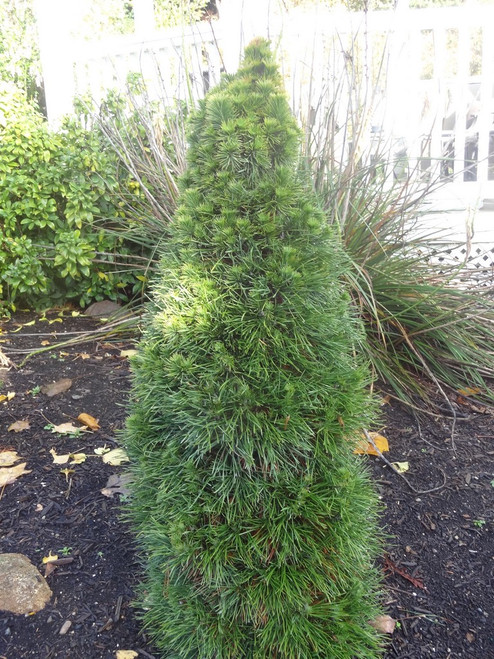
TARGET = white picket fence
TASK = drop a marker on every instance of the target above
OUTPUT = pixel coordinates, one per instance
(425, 78)
(434, 95)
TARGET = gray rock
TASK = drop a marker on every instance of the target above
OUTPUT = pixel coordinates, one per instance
(102, 309)
(22, 588)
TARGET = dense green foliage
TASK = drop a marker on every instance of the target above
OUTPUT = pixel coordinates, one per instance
(256, 520)
(55, 191)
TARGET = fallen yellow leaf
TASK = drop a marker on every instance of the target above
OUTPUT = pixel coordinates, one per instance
(126, 654)
(365, 447)
(8, 458)
(102, 450)
(59, 459)
(67, 429)
(128, 353)
(401, 467)
(7, 396)
(75, 458)
(67, 473)
(45, 343)
(50, 558)
(19, 426)
(115, 457)
(89, 421)
(9, 475)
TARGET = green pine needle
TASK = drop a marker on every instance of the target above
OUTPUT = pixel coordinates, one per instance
(257, 523)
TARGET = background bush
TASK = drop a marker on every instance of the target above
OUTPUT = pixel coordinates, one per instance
(57, 200)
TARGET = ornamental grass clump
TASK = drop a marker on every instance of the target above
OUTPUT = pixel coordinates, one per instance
(257, 523)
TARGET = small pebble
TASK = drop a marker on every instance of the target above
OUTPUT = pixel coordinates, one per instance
(65, 627)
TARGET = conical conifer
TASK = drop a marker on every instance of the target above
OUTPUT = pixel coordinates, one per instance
(256, 522)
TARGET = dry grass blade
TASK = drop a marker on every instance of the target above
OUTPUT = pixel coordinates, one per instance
(429, 327)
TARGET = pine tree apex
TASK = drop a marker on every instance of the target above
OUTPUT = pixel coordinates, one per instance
(257, 51)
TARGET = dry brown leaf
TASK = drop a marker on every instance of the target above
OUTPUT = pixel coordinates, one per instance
(366, 447)
(8, 458)
(89, 421)
(9, 475)
(115, 457)
(384, 624)
(117, 484)
(67, 472)
(58, 387)
(469, 391)
(19, 426)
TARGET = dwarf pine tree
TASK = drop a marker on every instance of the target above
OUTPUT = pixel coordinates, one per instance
(256, 522)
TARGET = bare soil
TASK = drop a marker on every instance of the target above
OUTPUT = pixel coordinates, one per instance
(439, 562)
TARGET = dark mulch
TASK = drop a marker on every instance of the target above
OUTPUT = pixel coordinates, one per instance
(438, 567)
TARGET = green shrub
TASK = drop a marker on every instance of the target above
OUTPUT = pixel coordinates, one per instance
(256, 521)
(56, 194)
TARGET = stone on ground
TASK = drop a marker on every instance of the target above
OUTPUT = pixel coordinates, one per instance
(22, 588)
(102, 309)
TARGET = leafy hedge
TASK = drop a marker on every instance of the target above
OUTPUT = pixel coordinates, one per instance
(57, 195)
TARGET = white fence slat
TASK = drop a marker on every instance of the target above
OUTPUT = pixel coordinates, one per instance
(422, 86)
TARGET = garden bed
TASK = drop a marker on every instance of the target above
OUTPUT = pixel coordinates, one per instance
(439, 564)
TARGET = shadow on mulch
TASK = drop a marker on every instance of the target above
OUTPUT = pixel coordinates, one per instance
(439, 564)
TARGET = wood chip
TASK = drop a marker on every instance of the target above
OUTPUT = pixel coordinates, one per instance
(118, 607)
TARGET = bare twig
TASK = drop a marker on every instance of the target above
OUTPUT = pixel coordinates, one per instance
(393, 468)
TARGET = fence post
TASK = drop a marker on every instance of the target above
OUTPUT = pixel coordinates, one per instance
(241, 21)
(54, 23)
(143, 17)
